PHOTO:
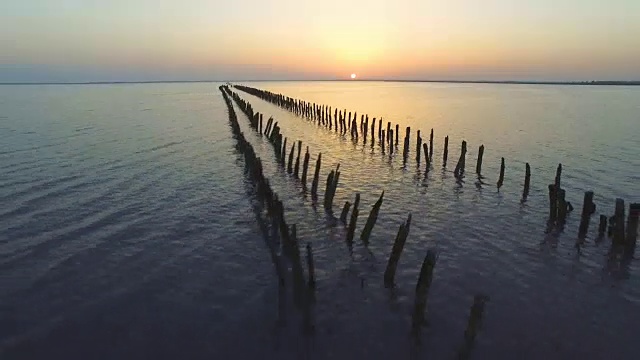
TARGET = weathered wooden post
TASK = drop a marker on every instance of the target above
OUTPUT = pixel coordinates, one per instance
(618, 230)
(305, 166)
(459, 170)
(314, 184)
(380, 130)
(553, 203)
(345, 211)
(527, 181)
(260, 124)
(311, 267)
(501, 179)
(587, 210)
(479, 163)
(284, 152)
(352, 223)
(431, 145)
(602, 228)
(297, 165)
(290, 162)
(371, 221)
(327, 189)
(391, 142)
(473, 326)
(562, 205)
(373, 131)
(405, 151)
(632, 224)
(396, 251)
(426, 158)
(422, 289)
(383, 141)
(418, 147)
(397, 133)
(388, 131)
(446, 151)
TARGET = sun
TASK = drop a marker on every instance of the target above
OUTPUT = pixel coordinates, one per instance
(353, 76)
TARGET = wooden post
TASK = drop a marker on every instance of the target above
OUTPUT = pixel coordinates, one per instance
(558, 176)
(388, 131)
(418, 147)
(345, 211)
(380, 130)
(479, 163)
(426, 158)
(422, 289)
(373, 131)
(632, 224)
(352, 223)
(391, 142)
(260, 124)
(602, 228)
(297, 165)
(586, 213)
(305, 166)
(527, 181)
(446, 151)
(501, 179)
(562, 206)
(396, 251)
(383, 141)
(284, 152)
(431, 145)
(553, 203)
(314, 184)
(397, 133)
(459, 170)
(290, 162)
(327, 189)
(311, 267)
(371, 221)
(473, 326)
(618, 229)
(407, 136)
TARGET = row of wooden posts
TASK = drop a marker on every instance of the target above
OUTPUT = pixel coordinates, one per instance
(274, 136)
(559, 208)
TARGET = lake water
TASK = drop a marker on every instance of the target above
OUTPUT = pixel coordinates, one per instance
(127, 229)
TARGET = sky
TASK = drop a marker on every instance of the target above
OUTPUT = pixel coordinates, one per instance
(144, 40)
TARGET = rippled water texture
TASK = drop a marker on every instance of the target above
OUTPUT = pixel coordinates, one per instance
(127, 229)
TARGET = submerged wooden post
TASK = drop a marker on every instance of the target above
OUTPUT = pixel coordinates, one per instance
(383, 141)
(373, 131)
(297, 165)
(473, 326)
(327, 189)
(397, 132)
(558, 176)
(352, 223)
(290, 162)
(405, 150)
(380, 130)
(345, 211)
(314, 184)
(602, 228)
(553, 203)
(284, 152)
(446, 151)
(618, 229)
(632, 224)
(527, 181)
(311, 267)
(431, 145)
(260, 124)
(562, 206)
(459, 170)
(418, 147)
(501, 179)
(426, 158)
(479, 163)
(371, 221)
(391, 142)
(587, 207)
(305, 166)
(422, 289)
(396, 251)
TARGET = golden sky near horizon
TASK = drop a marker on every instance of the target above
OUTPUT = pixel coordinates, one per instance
(245, 39)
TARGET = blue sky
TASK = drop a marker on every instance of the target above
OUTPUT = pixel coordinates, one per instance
(71, 40)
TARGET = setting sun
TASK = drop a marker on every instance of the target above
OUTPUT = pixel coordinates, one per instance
(353, 76)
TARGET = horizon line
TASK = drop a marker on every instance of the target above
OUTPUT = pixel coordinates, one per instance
(505, 82)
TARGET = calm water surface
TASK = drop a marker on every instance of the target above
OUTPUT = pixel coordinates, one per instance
(127, 229)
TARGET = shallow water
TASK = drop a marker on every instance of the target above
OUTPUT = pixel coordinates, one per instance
(127, 228)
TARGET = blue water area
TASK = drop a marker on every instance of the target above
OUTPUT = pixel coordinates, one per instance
(128, 227)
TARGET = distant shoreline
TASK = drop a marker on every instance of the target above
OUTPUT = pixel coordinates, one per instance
(565, 83)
